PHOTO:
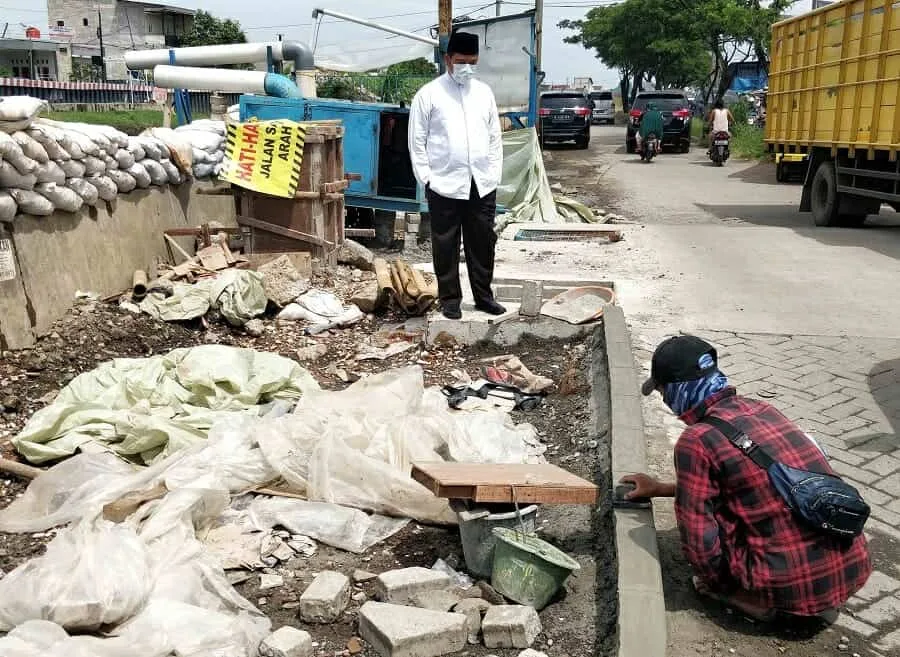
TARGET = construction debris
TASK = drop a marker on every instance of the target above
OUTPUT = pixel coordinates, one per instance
(510, 626)
(326, 598)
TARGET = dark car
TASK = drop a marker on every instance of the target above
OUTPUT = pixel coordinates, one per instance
(565, 116)
(676, 111)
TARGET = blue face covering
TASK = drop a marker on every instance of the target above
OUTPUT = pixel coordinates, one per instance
(685, 395)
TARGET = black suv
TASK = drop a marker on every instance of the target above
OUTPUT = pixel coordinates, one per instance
(676, 111)
(565, 116)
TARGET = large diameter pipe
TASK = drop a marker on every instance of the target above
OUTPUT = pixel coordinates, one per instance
(237, 53)
(219, 79)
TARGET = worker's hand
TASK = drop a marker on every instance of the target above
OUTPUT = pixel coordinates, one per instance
(645, 486)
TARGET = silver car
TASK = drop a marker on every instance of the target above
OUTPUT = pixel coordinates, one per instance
(604, 109)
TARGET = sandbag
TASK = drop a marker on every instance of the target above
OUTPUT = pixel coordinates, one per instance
(12, 153)
(8, 207)
(32, 203)
(152, 148)
(139, 172)
(111, 163)
(158, 175)
(73, 169)
(85, 190)
(179, 148)
(200, 156)
(93, 574)
(125, 159)
(205, 125)
(50, 172)
(175, 177)
(136, 149)
(94, 166)
(10, 178)
(106, 188)
(60, 196)
(44, 135)
(204, 170)
(30, 146)
(205, 141)
(58, 132)
(124, 181)
(19, 111)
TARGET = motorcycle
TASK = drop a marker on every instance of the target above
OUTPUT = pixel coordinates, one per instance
(649, 148)
(718, 150)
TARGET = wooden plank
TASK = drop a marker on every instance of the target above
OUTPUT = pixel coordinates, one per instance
(505, 483)
(302, 260)
(212, 257)
(284, 232)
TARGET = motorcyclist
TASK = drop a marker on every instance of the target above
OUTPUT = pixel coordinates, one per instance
(651, 123)
(720, 120)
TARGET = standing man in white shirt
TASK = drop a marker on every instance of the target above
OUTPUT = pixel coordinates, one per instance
(457, 155)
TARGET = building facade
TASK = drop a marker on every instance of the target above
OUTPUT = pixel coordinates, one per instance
(124, 25)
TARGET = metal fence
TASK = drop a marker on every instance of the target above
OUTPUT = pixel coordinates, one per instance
(98, 93)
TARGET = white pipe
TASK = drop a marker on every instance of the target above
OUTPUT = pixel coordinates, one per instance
(238, 53)
(372, 24)
(210, 79)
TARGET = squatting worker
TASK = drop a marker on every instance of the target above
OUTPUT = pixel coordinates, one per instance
(457, 155)
(746, 547)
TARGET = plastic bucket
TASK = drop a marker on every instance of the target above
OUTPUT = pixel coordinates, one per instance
(478, 538)
(528, 570)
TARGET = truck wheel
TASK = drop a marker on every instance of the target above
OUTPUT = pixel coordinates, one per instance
(781, 172)
(851, 220)
(824, 197)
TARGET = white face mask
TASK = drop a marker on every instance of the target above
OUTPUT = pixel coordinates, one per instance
(463, 73)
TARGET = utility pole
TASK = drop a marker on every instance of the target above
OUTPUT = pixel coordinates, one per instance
(538, 32)
(499, 2)
(281, 37)
(102, 50)
(445, 25)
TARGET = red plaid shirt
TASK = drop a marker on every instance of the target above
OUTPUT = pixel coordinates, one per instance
(737, 531)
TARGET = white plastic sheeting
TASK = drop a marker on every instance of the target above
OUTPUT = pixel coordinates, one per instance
(357, 60)
(145, 408)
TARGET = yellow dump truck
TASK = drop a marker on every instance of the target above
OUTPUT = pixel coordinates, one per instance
(834, 87)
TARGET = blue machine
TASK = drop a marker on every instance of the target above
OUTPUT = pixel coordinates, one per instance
(375, 146)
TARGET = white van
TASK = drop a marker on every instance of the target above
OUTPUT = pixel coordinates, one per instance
(604, 109)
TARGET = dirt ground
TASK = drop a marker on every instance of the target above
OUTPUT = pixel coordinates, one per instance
(94, 332)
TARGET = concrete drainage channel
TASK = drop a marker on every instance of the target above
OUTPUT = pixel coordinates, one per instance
(614, 605)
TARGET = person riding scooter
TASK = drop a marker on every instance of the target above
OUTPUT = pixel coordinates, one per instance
(651, 124)
(720, 119)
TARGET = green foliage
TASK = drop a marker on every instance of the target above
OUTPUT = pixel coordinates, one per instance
(747, 142)
(84, 71)
(5, 72)
(420, 67)
(677, 43)
(208, 30)
(741, 112)
(131, 122)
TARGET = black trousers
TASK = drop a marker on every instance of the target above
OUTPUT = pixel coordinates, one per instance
(473, 220)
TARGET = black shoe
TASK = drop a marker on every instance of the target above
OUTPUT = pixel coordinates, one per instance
(490, 307)
(451, 310)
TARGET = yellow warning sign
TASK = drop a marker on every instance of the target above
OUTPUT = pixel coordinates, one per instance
(264, 156)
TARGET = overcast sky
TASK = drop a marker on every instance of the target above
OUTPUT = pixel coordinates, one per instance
(265, 19)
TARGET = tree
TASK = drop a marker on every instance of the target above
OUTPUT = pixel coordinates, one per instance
(415, 67)
(207, 30)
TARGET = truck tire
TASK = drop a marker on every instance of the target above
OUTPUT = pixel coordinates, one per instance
(824, 196)
(781, 172)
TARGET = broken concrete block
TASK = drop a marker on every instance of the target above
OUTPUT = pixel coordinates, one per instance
(368, 298)
(398, 586)
(326, 598)
(397, 631)
(473, 609)
(510, 626)
(282, 281)
(529, 652)
(287, 642)
(267, 582)
(532, 298)
(362, 576)
(356, 255)
(435, 600)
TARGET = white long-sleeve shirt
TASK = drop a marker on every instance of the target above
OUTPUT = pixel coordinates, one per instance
(455, 137)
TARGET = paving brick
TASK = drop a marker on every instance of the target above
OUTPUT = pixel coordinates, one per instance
(510, 626)
(824, 389)
(878, 586)
(398, 586)
(884, 515)
(849, 424)
(849, 623)
(398, 631)
(889, 643)
(884, 465)
(864, 476)
(844, 410)
(890, 485)
(873, 496)
(842, 455)
(885, 610)
(326, 598)
(474, 610)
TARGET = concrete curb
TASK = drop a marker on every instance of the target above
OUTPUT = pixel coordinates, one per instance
(642, 609)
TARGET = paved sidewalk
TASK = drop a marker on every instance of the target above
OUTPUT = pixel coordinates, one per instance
(846, 393)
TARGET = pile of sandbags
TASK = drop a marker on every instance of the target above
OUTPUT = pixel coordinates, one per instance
(48, 165)
(207, 140)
